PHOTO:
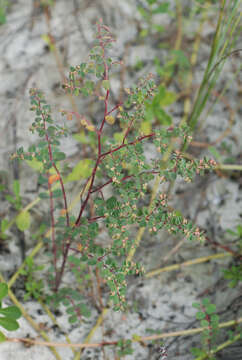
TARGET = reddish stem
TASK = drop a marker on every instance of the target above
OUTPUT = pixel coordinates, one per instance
(224, 247)
(124, 145)
(54, 250)
(99, 134)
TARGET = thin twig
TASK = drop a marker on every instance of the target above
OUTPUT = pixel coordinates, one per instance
(136, 339)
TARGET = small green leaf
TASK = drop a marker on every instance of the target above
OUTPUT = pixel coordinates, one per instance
(112, 202)
(72, 319)
(65, 302)
(211, 308)
(145, 127)
(200, 315)
(118, 136)
(162, 116)
(57, 193)
(3, 290)
(206, 301)
(76, 91)
(81, 137)
(168, 99)
(204, 323)
(12, 312)
(23, 220)
(81, 171)
(42, 179)
(214, 319)
(35, 164)
(84, 310)
(92, 262)
(58, 156)
(9, 324)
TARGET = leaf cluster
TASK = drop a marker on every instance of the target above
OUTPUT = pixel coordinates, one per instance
(8, 315)
(33, 286)
(210, 321)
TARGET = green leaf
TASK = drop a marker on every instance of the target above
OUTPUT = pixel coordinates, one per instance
(204, 323)
(57, 193)
(9, 324)
(92, 261)
(211, 309)
(12, 312)
(206, 301)
(72, 319)
(70, 311)
(162, 116)
(74, 260)
(81, 171)
(58, 156)
(23, 220)
(145, 127)
(214, 319)
(35, 164)
(84, 310)
(112, 203)
(115, 299)
(200, 315)
(81, 137)
(65, 302)
(3, 290)
(2, 337)
(76, 91)
(42, 179)
(168, 99)
(118, 136)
